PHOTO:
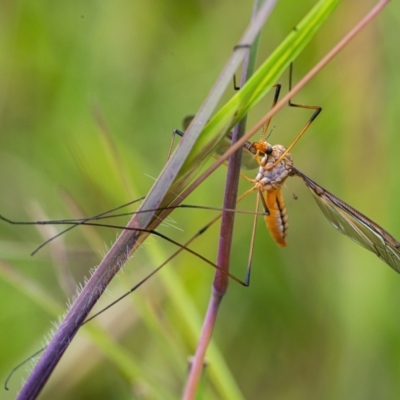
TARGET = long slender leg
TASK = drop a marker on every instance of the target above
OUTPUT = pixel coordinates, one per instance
(315, 114)
(252, 241)
(277, 87)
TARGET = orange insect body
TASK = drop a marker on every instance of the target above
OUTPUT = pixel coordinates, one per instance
(272, 173)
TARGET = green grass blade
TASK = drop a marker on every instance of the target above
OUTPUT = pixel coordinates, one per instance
(253, 91)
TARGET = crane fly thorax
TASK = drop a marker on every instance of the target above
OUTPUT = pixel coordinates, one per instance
(274, 178)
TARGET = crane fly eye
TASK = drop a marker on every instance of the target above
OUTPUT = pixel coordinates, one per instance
(269, 150)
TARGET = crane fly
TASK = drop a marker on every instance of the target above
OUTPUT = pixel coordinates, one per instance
(276, 165)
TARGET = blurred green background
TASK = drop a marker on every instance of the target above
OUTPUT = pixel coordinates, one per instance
(319, 320)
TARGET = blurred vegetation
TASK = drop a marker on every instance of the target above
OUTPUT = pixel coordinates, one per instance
(319, 319)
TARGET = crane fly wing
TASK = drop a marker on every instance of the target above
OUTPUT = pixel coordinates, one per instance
(355, 225)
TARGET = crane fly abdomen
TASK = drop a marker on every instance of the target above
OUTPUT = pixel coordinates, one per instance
(277, 220)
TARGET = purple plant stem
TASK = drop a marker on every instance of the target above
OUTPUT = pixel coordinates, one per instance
(220, 284)
(77, 314)
(127, 241)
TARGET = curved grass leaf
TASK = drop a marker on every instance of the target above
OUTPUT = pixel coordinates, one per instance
(251, 93)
